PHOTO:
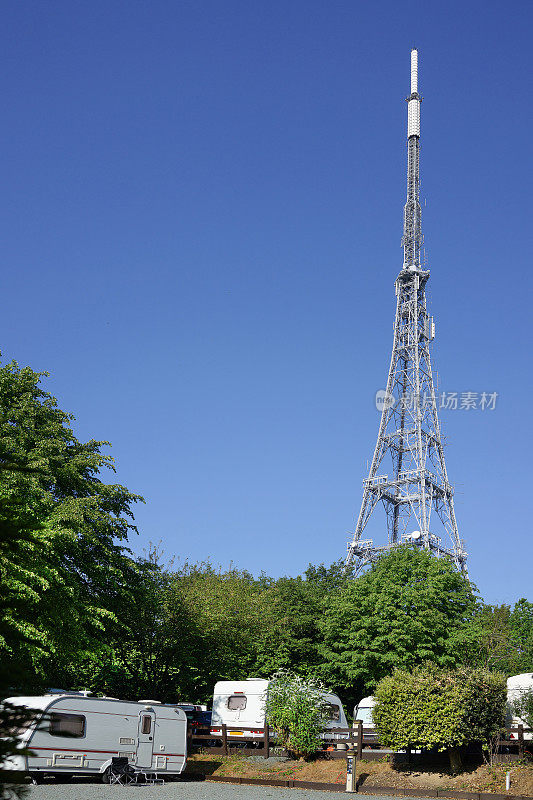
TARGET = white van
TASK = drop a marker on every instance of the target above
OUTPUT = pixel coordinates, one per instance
(516, 685)
(363, 712)
(238, 703)
(74, 734)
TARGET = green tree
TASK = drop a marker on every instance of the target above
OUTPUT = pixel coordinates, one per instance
(289, 637)
(521, 622)
(149, 646)
(494, 642)
(226, 608)
(173, 634)
(430, 708)
(62, 559)
(408, 609)
(502, 637)
(329, 579)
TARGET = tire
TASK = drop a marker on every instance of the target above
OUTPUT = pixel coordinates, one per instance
(106, 775)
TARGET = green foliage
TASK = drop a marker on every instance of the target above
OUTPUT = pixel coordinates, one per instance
(226, 608)
(329, 579)
(430, 707)
(297, 711)
(503, 637)
(289, 635)
(183, 629)
(523, 707)
(521, 623)
(145, 651)
(61, 559)
(13, 719)
(408, 609)
(494, 645)
(177, 633)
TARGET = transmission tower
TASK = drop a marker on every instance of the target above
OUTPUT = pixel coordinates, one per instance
(414, 487)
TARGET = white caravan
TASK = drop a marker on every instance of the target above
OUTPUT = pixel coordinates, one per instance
(74, 734)
(237, 703)
(363, 712)
(516, 685)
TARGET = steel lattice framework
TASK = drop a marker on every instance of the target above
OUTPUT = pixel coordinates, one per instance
(415, 492)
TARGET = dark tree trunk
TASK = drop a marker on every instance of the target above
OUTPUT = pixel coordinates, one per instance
(456, 761)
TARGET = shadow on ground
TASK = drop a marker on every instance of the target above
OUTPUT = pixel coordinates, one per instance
(199, 770)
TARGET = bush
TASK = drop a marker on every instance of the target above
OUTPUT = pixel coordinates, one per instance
(297, 711)
(444, 709)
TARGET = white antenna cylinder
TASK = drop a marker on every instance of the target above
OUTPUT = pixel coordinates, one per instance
(414, 71)
(413, 106)
(413, 118)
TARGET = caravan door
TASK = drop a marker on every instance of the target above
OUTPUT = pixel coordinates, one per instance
(145, 743)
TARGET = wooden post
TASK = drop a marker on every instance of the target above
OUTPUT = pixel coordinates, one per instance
(224, 740)
(359, 725)
(521, 740)
(266, 742)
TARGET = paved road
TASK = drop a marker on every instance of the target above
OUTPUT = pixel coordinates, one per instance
(176, 791)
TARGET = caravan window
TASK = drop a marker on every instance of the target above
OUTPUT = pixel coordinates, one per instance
(146, 725)
(364, 713)
(237, 702)
(72, 725)
(334, 712)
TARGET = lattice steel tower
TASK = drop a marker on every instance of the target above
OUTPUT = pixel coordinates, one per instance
(415, 490)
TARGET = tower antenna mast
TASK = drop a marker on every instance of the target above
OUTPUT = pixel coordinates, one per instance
(415, 491)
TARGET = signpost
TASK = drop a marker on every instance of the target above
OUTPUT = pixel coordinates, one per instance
(351, 756)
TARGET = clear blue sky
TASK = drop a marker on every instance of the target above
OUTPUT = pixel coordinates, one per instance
(201, 210)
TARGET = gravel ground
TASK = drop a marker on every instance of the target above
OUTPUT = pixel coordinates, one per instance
(177, 790)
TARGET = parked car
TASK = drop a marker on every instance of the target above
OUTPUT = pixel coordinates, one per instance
(242, 703)
(71, 733)
(201, 724)
(198, 717)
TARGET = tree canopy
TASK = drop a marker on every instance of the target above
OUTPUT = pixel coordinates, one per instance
(408, 609)
(61, 554)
